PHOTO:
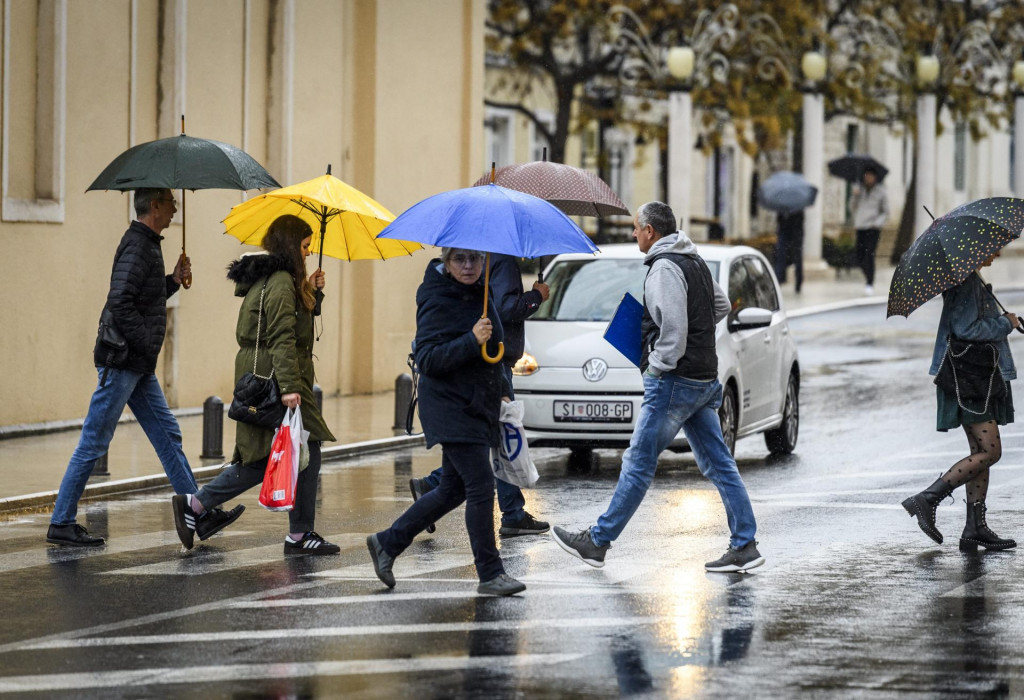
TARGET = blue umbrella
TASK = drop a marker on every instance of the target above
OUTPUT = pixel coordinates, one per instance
(492, 219)
(786, 192)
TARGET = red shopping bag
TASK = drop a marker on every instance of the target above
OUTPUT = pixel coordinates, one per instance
(278, 491)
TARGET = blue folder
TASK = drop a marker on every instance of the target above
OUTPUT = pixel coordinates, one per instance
(624, 329)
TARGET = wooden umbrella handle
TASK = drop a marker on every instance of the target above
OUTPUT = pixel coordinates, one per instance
(186, 279)
(487, 286)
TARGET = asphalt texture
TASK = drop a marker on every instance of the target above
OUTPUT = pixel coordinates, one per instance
(854, 600)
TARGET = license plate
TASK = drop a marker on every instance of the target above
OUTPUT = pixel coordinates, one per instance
(594, 411)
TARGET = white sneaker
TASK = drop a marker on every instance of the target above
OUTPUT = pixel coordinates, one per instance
(868, 290)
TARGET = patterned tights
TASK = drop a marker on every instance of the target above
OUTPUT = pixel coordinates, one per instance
(986, 449)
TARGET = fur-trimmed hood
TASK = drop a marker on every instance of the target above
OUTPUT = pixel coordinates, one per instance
(253, 267)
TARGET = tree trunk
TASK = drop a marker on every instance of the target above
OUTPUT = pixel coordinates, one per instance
(905, 233)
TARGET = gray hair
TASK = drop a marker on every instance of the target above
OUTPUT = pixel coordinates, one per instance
(144, 197)
(447, 253)
(659, 215)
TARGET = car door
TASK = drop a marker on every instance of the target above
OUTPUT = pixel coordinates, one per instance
(767, 296)
(750, 346)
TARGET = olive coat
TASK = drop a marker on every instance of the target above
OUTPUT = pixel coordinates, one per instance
(285, 345)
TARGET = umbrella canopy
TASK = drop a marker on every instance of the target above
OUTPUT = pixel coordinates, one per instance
(184, 162)
(952, 248)
(851, 167)
(347, 219)
(786, 192)
(493, 219)
(573, 190)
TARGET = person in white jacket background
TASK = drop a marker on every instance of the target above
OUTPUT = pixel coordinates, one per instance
(682, 306)
(870, 206)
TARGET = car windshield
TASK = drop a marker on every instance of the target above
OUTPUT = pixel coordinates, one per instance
(591, 289)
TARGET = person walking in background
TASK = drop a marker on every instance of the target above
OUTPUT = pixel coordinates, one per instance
(870, 206)
(969, 312)
(137, 308)
(276, 282)
(789, 246)
(682, 306)
(514, 307)
(460, 395)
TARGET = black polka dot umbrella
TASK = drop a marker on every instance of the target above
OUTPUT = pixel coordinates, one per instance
(952, 248)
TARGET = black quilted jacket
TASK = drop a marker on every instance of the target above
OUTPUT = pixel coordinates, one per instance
(138, 297)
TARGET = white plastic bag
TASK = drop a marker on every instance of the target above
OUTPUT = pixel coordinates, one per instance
(511, 461)
(300, 441)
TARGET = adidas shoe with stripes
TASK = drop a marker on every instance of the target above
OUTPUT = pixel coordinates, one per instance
(184, 520)
(311, 543)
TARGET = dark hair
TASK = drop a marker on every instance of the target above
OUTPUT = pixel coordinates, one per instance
(144, 197)
(659, 215)
(284, 237)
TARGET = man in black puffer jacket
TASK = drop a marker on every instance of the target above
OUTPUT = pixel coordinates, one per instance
(136, 314)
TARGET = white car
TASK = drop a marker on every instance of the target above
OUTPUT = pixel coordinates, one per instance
(582, 393)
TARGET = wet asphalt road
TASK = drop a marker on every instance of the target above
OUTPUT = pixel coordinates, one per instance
(854, 600)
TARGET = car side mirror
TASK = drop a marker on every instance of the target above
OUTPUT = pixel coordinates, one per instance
(749, 318)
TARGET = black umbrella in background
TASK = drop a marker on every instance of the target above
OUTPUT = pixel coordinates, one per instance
(183, 162)
(851, 167)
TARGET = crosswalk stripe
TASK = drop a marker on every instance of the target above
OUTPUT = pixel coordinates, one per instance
(381, 631)
(406, 566)
(200, 562)
(248, 672)
(421, 595)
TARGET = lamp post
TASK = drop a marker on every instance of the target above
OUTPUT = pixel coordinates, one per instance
(927, 74)
(1018, 128)
(814, 67)
(680, 62)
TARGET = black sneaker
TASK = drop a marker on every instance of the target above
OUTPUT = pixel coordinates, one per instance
(580, 545)
(418, 488)
(502, 584)
(184, 520)
(214, 520)
(311, 543)
(72, 535)
(742, 559)
(381, 561)
(526, 525)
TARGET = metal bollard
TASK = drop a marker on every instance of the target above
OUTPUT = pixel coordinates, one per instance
(318, 394)
(213, 429)
(100, 467)
(403, 397)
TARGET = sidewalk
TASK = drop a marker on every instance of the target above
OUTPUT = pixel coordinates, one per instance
(33, 465)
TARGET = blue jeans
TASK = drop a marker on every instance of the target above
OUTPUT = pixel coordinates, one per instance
(466, 476)
(142, 394)
(671, 403)
(511, 501)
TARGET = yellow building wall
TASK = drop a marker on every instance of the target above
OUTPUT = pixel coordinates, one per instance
(389, 93)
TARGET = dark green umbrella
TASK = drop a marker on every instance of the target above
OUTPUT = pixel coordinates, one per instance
(951, 249)
(185, 163)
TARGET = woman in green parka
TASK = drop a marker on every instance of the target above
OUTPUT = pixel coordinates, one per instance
(285, 328)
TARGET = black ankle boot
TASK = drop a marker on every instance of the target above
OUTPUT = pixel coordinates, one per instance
(922, 506)
(977, 532)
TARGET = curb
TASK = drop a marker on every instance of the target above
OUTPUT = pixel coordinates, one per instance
(45, 499)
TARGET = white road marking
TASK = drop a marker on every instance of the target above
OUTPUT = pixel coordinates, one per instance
(819, 494)
(390, 499)
(963, 452)
(384, 597)
(406, 566)
(199, 562)
(247, 672)
(381, 631)
(828, 504)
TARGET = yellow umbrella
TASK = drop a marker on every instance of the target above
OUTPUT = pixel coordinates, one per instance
(347, 219)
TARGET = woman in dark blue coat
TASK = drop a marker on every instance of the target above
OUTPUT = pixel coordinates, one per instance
(459, 398)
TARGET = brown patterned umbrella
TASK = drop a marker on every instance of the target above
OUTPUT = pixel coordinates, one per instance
(573, 190)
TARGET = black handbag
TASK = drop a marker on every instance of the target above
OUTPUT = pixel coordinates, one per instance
(111, 347)
(257, 400)
(970, 371)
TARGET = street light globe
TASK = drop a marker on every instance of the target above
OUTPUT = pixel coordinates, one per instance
(927, 70)
(680, 62)
(814, 66)
(1018, 75)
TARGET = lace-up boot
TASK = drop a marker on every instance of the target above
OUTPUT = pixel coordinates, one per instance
(922, 506)
(977, 532)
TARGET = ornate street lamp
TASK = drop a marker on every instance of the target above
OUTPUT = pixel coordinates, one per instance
(680, 62)
(814, 67)
(927, 75)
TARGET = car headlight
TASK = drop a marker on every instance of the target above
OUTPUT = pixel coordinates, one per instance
(526, 365)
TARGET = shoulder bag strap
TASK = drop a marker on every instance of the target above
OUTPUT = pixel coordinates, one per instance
(259, 324)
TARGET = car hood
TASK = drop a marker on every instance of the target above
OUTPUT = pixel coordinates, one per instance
(571, 344)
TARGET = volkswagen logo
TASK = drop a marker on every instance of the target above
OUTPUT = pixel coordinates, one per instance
(595, 369)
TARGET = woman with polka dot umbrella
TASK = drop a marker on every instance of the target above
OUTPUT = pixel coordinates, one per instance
(947, 258)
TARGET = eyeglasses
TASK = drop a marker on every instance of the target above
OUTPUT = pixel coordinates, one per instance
(172, 200)
(471, 259)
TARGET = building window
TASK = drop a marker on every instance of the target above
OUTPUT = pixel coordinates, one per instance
(960, 157)
(33, 110)
(499, 139)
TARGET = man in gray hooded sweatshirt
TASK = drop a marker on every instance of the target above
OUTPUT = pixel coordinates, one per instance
(682, 306)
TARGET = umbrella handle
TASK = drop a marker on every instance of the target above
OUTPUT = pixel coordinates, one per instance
(496, 358)
(186, 279)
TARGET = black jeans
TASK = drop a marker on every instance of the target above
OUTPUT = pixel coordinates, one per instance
(867, 243)
(238, 478)
(466, 475)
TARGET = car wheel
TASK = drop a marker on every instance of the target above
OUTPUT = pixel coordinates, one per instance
(727, 415)
(782, 440)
